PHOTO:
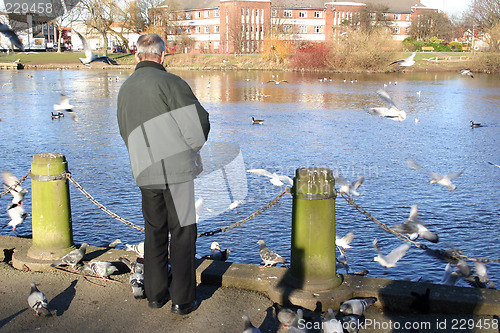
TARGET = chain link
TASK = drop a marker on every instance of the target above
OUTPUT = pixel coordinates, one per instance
(13, 186)
(447, 254)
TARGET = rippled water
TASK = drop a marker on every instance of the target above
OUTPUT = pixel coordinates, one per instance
(308, 122)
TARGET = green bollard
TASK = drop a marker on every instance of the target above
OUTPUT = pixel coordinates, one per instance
(51, 211)
(313, 231)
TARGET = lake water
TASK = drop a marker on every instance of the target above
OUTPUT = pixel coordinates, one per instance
(308, 122)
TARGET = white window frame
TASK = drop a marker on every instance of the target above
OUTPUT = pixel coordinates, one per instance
(217, 29)
(302, 29)
(274, 13)
(287, 28)
(302, 14)
(188, 15)
(318, 14)
(318, 29)
(397, 17)
(396, 31)
(197, 15)
(216, 13)
(197, 29)
(287, 13)
(206, 14)
(207, 29)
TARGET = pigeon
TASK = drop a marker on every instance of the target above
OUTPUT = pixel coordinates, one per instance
(345, 241)
(269, 257)
(38, 301)
(102, 269)
(285, 316)
(414, 228)
(351, 323)
(451, 277)
(72, 258)
(17, 215)
(9, 33)
(276, 179)
(405, 62)
(249, 328)
(134, 266)
(342, 261)
(445, 180)
(65, 106)
(257, 121)
(137, 248)
(298, 325)
(12, 183)
(392, 258)
(136, 281)
(466, 72)
(480, 279)
(217, 254)
(393, 113)
(356, 306)
(331, 324)
(91, 57)
(351, 189)
(277, 82)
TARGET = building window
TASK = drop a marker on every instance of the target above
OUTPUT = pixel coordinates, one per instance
(408, 17)
(397, 17)
(385, 16)
(242, 11)
(248, 12)
(207, 29)
(302, 14)
(303, 29)
(395, 30)
(216, 29)
(274, 13)
(197, 30)
(188, 16)
(216, 13)
(179, 30)
(180, 16)
(318, 14)
(318, 29)
(373, 16)
(188, 30)
(287, 28)
(197, 15)
(206, 14)
(287, 13)
(407, 30)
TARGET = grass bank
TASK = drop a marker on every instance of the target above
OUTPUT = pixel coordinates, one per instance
(425, 61)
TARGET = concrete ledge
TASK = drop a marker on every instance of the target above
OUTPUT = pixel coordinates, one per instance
(392, 295)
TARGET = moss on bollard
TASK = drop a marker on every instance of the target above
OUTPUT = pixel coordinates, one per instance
(51, 211)
(313, 231)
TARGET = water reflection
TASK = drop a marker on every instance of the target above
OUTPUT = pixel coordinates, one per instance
(308, 122)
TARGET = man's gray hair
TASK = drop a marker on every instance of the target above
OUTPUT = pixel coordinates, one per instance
(150, 45)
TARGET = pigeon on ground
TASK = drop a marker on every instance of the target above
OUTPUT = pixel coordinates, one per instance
(414, 228)
(350, 189)
(9, 33)
(217, 254)
(102, 269)
(38, 301)
(134, 266)
(466, 72)
(65, 106)
(276, 180)
(136, 281)
(298, 325)
(17, 215)
(12, 183)
(269, 257)
(393, 113)
(249, 328)
(351, 323)
(91, 57)
(345, 241)
(284, 315)
(137, 248)
(392, 258)
(356, 306)
(331, 324)
(405, 62)
(72, 258)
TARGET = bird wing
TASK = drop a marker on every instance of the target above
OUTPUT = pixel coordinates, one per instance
(355, 185)
(4, 28)
(453, 175)
(385, 96)
(410, 58)
(86, 46)
(397, 253)
(271, 81)
(413, 213)
(375, 245)
(396, 62)
(261, 172)
(413, 164)
(286, 179)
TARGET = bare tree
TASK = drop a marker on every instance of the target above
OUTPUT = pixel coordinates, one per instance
(66, 13)
(484, 13)
(435, 24)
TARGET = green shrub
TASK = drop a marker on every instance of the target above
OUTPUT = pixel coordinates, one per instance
(410, 44)
(439, 47)
(455, 46)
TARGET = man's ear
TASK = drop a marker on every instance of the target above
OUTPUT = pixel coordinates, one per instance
(136, 56)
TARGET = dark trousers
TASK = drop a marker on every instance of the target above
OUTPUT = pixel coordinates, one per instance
(160, 219)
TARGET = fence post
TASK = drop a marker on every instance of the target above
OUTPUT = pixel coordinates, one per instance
(51, 210)
(313, 231)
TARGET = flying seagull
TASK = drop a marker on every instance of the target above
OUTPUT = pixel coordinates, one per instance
(345, 241)
(393, 113)
(4, 28)
(276, 179)
(91, 57)
(351, 189)
(277, 82)
(17, 215)
(466, 72)
(11, 182)
(405, 62)
(268, 256)
(65, 106)
(137, 248)
(38, 301)
(392, 258)
(414, 228)
(436, 178)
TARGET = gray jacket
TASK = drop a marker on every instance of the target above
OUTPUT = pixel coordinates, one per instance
(163, 125)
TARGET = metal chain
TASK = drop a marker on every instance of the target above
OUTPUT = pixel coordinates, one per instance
(13, 186)
(450, 254)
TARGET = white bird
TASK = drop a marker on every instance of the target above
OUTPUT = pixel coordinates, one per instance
(136, 281)
(72, 258)
(137, 248)
(17, 215)
(413, 227)
(38, 301)
(393, 113)
(198, 207)
(445, 180)
(276, 179)
(277, 82)
(248, 326)
(102, 269)
(235, 204)
(466, 72)
(331, 324)
(356, 306)
(268, 256)
(65, 106)
(91, 57)
(392, 258)
(450, 277)
(217, 254)
(405, 62)
(345, 241)
(9, 33)
(351, 189)
(12, 183)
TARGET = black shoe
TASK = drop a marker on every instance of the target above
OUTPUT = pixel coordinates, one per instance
(184, 309)
(158, 304)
